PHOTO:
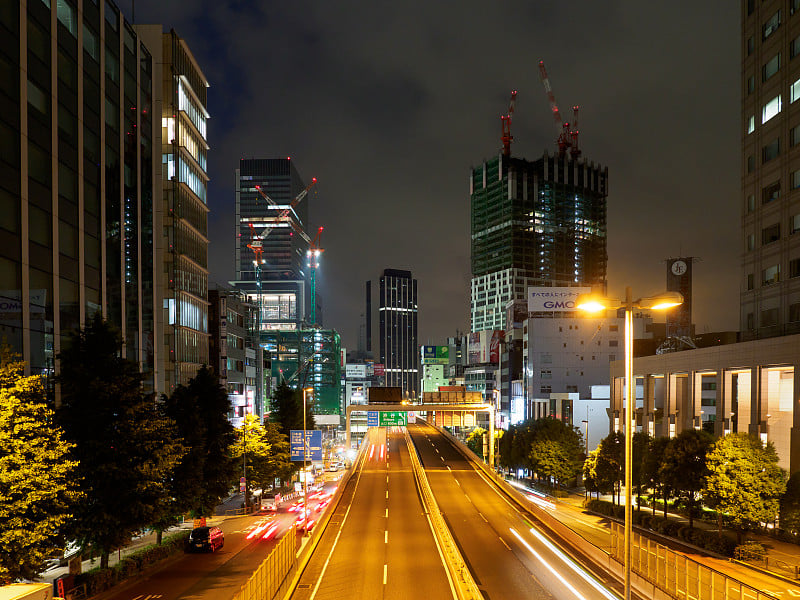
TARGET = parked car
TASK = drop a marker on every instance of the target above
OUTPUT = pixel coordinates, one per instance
(209, 539)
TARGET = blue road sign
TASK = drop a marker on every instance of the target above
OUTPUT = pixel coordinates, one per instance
(313, 442)
(372, 418)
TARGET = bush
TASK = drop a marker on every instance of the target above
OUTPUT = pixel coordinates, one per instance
(98, 580)
(749, 551)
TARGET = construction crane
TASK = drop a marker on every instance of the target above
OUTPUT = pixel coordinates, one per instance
(312, 256)
(507, 138)
(567, 137)
(281, 216)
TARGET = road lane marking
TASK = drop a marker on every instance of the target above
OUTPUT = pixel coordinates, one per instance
(384, 573)
(385, 537)
(387, 494)
(449, 469)
(504, 543)
(482, 517)
(387, 513)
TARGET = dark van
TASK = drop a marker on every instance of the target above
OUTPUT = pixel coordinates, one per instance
(209, 539)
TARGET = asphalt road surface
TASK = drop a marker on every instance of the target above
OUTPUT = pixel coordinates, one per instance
(378, 543)
(506, 558)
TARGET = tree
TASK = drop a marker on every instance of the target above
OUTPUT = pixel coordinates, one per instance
(200, 410)
(744, 481)
(651, 467)
(266, 450)
(556, 449)
(610, 463)
(37, 477)
(790, 505)
(684, 466)
(504, 449)
(475, 441)
(126, 448)
(286, 410)
(641, 447)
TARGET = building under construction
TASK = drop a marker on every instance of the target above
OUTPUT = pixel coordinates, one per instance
(539, 223)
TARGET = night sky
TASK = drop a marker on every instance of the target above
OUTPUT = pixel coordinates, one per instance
(390, 104)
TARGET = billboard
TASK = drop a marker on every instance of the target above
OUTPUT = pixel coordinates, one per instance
(551, 299)
(379, 370)
(435, 355)
(484, 346)
(313, 439)
(355, 371)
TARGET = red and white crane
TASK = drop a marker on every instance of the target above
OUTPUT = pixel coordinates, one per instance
(567, 136)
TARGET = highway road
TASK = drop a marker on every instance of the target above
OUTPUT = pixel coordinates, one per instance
(506, 554)
(378, 543)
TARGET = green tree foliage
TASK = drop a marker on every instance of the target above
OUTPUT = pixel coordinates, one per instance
(744, 481)
(790, 505)
(683, 467)
(641, 447)
(286, 410)
(610, 463)
(203, 476)
(555, 450)
(266, 450)
(37, 477)
(475, 441)
(651, 466)
(126, 448)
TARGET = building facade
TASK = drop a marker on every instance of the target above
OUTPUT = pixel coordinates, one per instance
(270, 249)
(770, 201)
(78, 213)
(540, 223)
(181, 188)
(397, 330)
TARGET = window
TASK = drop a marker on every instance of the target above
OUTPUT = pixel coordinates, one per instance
(771, 150)
(771, 67)
(751, 242)
(38, 98)
(794, 312)
(794, 268)
(771, 275)
(751, 6)
(750, 322)
(793, 6)
(751, 203)
(751, 84)
(751, 164)
(794, 47)
(751, 124)
(613, 327)
(794, 91)
(750, 281)
(545, 389)
(794, 224)
(546, 374)
(771, 192)
(794, 135)
(90, 43)
(770, 234)
(708, 386)
(612, 357)
(66, 15)
(613, 343)
(768, 318)
(796, 179)
(771, 26)
(771, 108)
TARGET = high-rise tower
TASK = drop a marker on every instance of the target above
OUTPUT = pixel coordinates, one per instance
(397, 315)
(540, 223)
(770, 201)
(77, 211)
(281, 277)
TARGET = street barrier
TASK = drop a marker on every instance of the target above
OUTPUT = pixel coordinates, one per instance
(677, 574)
(465, 586)
(271, 577)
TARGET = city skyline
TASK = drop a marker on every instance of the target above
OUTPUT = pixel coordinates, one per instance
(390, 108)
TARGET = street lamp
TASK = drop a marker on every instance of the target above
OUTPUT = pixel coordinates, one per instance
(305, 459)
(593, 303)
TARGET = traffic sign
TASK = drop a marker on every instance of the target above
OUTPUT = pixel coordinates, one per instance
(372, 418)
(313, 439)
(390, 419)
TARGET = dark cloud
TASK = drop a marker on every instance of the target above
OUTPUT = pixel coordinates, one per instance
(390, 104)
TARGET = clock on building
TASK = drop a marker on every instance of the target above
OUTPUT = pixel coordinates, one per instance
(679, 267)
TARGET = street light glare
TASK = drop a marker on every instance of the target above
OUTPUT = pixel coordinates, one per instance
(590, 305)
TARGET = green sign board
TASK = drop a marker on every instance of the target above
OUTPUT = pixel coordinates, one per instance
(389, 419)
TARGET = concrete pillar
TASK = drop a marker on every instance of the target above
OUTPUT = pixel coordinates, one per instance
(724, 402)
(794, 441)
(649, 405)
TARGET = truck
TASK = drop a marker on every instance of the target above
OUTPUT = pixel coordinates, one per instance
(27, 591)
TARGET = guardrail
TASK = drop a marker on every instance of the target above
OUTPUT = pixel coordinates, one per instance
(271, 577)
(677, 574)
(466, 588)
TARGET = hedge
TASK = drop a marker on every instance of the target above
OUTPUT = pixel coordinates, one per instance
(98, 579)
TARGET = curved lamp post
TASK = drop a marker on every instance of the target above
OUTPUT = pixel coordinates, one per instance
(595, 303)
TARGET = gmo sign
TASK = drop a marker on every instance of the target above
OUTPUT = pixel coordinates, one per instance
(551, 299)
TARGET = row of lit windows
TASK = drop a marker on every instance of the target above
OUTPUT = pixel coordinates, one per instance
(769, 317)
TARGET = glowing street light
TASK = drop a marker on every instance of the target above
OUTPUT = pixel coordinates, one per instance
(594, 303)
